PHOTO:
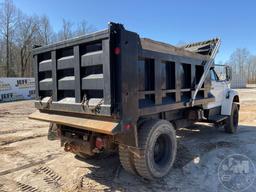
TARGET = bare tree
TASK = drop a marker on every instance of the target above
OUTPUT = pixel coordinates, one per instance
(2, 62)
(252, 70)
(84, 28)
(243, 64)
(28, 31)
(66, 31)
(8, 22)
(239, 60)
(19, 32)
(46, 31)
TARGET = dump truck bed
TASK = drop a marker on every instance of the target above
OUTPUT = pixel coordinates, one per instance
(116, 74)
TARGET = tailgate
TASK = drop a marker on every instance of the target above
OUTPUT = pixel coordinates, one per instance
(74, 75)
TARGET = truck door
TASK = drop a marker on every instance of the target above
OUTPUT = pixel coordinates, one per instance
(217, 89)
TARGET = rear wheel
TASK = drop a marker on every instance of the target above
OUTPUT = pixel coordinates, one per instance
(232, 121)
(126, 159)
(158, 139)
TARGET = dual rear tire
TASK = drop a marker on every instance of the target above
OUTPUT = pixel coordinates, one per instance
(157, 139)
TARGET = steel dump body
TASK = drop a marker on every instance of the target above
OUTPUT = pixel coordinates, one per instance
(115, 75)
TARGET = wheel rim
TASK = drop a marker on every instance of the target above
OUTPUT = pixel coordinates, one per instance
(162, 150)
(235, 119)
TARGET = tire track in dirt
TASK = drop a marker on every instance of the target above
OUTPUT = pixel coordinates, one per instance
(12, 131)
(18, 139)
(31, 164)
(11, 185)
(51, 177)
(1, 188)
(26, 188)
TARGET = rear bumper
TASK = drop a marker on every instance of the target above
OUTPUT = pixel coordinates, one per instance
(99, 126)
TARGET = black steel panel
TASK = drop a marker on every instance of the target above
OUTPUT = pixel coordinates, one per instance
(178, 82)
(73, 108)
(92, 58)
(66, 83)
(81, 71)
(94, 81)
(72, 42)
(158, 81)
(45, 65)
(36, 74)
(77, 73)
(141, 65)
(171, 107)
(106, 71)
(193, 76)
(129, 84)
(45, 84)
(169, 57)
(54, 77)
(66, 62)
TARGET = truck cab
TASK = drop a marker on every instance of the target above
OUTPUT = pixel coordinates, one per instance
(226, 99)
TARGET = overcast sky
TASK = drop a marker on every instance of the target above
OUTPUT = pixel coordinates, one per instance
(234, 21)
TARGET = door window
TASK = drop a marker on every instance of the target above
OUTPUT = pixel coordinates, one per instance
(214, 76)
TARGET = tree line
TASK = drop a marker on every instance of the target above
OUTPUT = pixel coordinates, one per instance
(243, 65)
(19, 32)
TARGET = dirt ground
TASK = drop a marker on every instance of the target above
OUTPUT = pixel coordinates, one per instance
(30, 162)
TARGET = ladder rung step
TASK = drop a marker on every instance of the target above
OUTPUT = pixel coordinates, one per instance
(217, 118)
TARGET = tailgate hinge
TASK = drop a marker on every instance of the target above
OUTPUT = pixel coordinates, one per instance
(45, 104)
(92, 104)
(84, 102)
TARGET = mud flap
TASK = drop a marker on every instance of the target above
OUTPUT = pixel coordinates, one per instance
(53, 132)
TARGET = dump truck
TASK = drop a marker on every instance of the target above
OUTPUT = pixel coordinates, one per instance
(114, 91)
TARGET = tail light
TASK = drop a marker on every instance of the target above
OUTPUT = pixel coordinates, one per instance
(127, 126)
(99, 143)
(117, 50)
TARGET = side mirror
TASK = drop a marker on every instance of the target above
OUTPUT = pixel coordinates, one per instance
(228, 73)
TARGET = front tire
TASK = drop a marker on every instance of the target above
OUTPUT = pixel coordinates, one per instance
(158, 139)
(232, 121)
